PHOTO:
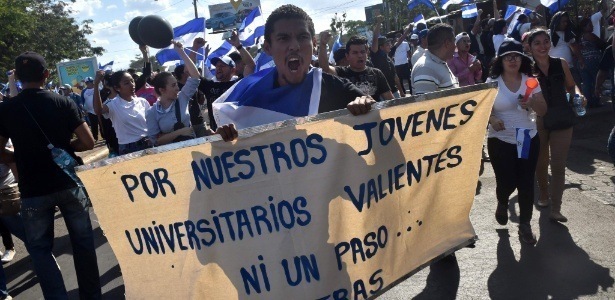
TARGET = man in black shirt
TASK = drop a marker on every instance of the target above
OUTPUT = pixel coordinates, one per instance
(379, 54)
(290, 39)
(36, 121)
(369, 80)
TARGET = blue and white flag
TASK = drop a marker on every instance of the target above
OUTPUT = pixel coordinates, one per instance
(106, 67)
(554, 5)
(419, 19)
(524, 140)
(252, 27)
(336, 45)
(186, 34)
(511, 9)
(469, 11)
(414, 3)
(446, 3)
(253, 101)
(263, 61)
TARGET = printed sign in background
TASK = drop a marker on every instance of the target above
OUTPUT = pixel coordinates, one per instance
(372, 11)
(229, 15)
(74, 72)
(331, 208)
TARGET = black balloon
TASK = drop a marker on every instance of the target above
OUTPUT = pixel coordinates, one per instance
(155, 31)
(133, 30)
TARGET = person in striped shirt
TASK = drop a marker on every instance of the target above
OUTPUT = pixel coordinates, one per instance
(431, 73)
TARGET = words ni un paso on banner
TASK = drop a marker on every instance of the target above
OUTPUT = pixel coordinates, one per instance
(75, 71)
(334, 208)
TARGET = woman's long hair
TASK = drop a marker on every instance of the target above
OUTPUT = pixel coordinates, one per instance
(568, 34)
(497, 67)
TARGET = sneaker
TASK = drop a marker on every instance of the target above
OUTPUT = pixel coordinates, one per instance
(526, 234)
(501, 214)
(7, 297)
(8, 256)
(557, 216)
(543, 202)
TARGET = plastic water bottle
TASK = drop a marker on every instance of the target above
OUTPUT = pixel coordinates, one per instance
(66, 162)
(531, 114)
(577, 101)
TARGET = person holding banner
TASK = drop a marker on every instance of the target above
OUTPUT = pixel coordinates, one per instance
(278, 94)
(556, 81)
(512, 142)
(127, 113)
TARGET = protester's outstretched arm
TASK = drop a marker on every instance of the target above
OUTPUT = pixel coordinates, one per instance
(99, 107)
(147, 68)
(476, 26)
(13, 85)
(400, 87)
(323, 59)
(403, 36)
(246, 58)
(496, 12)
(378, 23)
(188, 63)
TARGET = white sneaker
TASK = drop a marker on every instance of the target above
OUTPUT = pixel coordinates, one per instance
(8, 256)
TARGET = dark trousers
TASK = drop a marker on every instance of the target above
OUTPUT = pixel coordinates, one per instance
(94, 125)
(110, 137)
(514, 173)
(403, 72)
(7, 238)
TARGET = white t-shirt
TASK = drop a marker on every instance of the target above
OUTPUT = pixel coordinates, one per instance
(498, 39)
(595, 18)
(417, 54)
(128, 118)
(401, 53)
(88, 96)
(562, 49)
(505, 109)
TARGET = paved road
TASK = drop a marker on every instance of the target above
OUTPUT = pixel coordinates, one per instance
(571, 260)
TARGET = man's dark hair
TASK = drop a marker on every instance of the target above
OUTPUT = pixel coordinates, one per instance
(355, 40)
(522, 18)
(179, 70)
(285, 12)
(131, 71)
(498, 26)
(484, 23)
(438, 34)
(235, 56)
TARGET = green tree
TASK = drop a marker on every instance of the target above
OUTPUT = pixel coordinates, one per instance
(45, 27)
(137, 63)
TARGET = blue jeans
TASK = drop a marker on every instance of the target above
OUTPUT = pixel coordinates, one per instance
(38, 217)
(15, 226)
(589, 74)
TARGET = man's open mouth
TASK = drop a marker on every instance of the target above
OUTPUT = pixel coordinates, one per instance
(293, 64)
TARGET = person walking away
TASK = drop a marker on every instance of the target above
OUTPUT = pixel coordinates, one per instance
(41, 123)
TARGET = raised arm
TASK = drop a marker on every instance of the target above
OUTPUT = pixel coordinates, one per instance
(188, 63)
(99, 107)
(378, 23)
(147, 68)
(323, 60)
(12, 85)
(246, 58)
(496, 12)
(476, 26)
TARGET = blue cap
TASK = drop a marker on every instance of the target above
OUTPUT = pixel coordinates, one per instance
(89, 79)
(423, 33)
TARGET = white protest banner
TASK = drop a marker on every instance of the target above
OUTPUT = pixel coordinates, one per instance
(336, 208)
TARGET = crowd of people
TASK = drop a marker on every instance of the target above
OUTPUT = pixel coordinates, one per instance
(134, 112)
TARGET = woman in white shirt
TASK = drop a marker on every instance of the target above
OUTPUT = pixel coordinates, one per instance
(511, 125)
(127, 113)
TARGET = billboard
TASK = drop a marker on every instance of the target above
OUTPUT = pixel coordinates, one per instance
(75, 71)
(372, 11)
(229, 15)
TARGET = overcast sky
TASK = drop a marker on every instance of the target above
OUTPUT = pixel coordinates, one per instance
(111, 19)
